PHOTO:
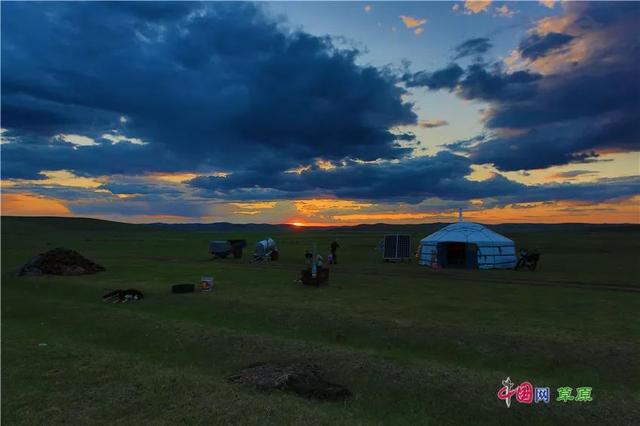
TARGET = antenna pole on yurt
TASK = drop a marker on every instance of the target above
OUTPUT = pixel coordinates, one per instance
(459, 214)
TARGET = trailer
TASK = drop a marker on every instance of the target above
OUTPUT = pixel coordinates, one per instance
(225, 248)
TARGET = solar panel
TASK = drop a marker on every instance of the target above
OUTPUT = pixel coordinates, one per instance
(390, 246)
(404, 246)
(397, 247)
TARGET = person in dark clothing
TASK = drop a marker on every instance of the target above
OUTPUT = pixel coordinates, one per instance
(524, 253)
(334, 247)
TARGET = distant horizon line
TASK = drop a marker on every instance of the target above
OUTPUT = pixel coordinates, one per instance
(301, 226)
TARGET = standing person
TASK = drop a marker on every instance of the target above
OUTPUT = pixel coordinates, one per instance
(334, 246)
(524, 254)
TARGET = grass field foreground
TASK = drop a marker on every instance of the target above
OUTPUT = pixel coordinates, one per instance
(415, 346)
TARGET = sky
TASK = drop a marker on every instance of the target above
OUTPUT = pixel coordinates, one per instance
(321, 113)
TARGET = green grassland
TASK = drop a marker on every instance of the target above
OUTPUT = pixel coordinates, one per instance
(415, 346)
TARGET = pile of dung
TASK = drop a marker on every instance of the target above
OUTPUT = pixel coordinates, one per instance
(302, 379)
(60, 261)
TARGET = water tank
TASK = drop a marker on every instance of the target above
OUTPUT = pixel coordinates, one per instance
(265, 246)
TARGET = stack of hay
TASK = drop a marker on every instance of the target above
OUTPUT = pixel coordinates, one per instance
(60, 261)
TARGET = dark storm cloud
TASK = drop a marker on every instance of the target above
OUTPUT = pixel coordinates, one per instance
(17, 170)
(405, 137)
(218, 84)
(413, 180)
(594, 192)
(480, 83)
(68, 195)
(556, 143)
(572, 112)
(445, 78)
(553, 144)
(472, 47)
(146, 205)
(25, 160)
(593, 15)
(573, 96)
(536, 46)
(131, 188)
(464, 145)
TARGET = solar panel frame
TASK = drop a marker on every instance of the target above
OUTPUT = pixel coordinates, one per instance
(397, 247)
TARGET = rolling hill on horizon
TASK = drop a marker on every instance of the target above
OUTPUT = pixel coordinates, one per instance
(94, 224)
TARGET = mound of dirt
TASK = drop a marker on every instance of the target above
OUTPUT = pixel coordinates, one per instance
(302, 379)
(60, 261)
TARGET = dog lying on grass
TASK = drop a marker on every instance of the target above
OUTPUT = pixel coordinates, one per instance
(123, 296)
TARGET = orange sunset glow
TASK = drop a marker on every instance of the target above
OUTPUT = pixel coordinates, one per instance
(324, 214)
(32, 205)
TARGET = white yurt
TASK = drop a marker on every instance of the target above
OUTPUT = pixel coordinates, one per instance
(467, 245)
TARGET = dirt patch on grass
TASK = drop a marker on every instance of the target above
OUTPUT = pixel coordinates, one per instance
(60, 261)
(302, 379)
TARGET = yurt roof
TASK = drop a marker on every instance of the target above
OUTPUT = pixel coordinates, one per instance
(466, 232)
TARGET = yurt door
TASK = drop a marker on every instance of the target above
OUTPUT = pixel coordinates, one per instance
(442, 254)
